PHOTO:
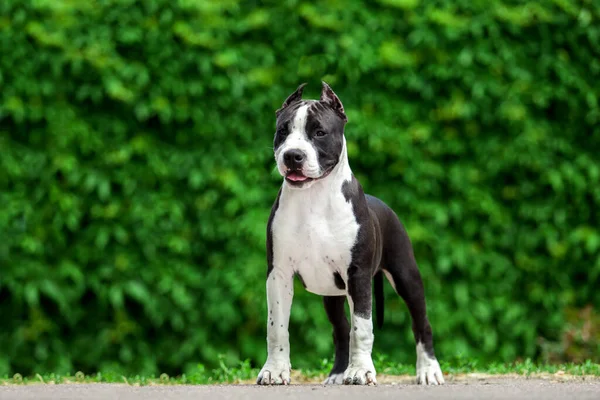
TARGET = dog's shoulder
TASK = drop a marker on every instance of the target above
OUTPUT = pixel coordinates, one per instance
(353, 193)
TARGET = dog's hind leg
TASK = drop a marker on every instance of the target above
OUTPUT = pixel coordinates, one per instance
(400, 267)
(334, 307)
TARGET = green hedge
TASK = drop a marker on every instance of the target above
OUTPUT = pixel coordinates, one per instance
(136, 171)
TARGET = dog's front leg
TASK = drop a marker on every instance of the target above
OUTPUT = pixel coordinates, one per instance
(361, 370)
(280, 292)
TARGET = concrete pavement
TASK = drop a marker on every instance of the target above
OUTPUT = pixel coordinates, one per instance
(489, 389)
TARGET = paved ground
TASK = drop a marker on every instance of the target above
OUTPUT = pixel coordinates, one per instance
(489, 389)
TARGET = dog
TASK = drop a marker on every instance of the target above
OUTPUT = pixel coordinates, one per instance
(339, 242)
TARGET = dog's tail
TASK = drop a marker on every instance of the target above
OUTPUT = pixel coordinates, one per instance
(378, 289)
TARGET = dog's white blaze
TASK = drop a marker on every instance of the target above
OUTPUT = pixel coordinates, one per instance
(298, 139)
(428, 369)
(314, 230)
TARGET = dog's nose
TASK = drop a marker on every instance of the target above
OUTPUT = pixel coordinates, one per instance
(294, 158)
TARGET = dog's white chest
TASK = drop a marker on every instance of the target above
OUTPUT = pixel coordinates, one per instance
(313, 236)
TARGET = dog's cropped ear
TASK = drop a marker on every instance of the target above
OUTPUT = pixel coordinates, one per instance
(292, 98)
(330, 98)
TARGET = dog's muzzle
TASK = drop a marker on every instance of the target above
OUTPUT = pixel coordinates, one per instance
(294, 159)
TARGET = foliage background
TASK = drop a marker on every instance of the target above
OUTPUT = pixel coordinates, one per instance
(136, 172)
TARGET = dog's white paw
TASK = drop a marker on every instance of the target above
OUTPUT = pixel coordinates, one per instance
(429, 372)
(274, 373)
(334, 379)
(360, 374)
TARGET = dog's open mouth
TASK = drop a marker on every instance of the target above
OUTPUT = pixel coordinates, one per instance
(297, 178)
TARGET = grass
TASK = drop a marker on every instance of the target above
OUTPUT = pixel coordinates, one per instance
(244, 373)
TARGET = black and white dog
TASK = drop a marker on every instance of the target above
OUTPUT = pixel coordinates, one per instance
(337, 241)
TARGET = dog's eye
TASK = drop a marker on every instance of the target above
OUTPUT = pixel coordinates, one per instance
(282, 132)
(320, 133)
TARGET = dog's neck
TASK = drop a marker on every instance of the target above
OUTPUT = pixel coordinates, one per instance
(329, 185)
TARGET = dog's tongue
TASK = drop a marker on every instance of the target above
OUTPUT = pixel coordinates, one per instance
(296, 177)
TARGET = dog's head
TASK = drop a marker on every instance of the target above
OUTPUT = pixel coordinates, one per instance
(310, 137)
